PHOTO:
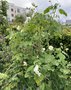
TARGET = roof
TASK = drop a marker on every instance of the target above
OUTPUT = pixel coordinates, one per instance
(68, 21)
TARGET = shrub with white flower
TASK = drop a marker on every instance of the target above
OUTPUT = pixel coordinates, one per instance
(36, 70)
(50, 48)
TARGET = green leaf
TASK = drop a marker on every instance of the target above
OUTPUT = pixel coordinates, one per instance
(48, 9)
(42, 86)
(7, 88)
(61, 11)
(38, 80)
(3, 76)
(30, 68)
(61, 56)
(65, 71)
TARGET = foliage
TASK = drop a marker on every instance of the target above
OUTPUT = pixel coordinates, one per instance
(54, 8)
(29, 13)
(62, 12)
(3, 33)
(48, 9)
(3, 24)
(3, 7)
(36, 64)
(36, 55)
(63, 37)
(20, 19)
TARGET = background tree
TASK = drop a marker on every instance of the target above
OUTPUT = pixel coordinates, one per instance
(3, 7)
(20, 18)
(3, 33)
(30, 12)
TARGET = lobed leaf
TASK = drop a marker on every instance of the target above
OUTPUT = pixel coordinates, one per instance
(61, 11)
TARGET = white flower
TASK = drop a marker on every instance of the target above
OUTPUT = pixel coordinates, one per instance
(67, 49)
(21, 30)
(62, 47)
(61, 44)
(18, 27)
(50, 48)
(43, 49)
(37, 56)
(36, 70)
(25, 63)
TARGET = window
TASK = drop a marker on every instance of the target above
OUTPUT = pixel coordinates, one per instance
(15, 11)
(12, 15)
(18, 10)
(12, 20)
(12, 9)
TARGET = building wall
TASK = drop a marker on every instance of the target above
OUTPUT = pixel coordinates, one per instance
(15, 10)
(68, 22)
(11, 12)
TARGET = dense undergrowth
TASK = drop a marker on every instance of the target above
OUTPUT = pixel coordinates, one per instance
(36, 55)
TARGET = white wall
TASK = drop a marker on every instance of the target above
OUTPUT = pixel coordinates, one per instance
(22, 11)
(9, 12)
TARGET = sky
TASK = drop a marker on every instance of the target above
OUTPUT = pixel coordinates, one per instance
(42, 4)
